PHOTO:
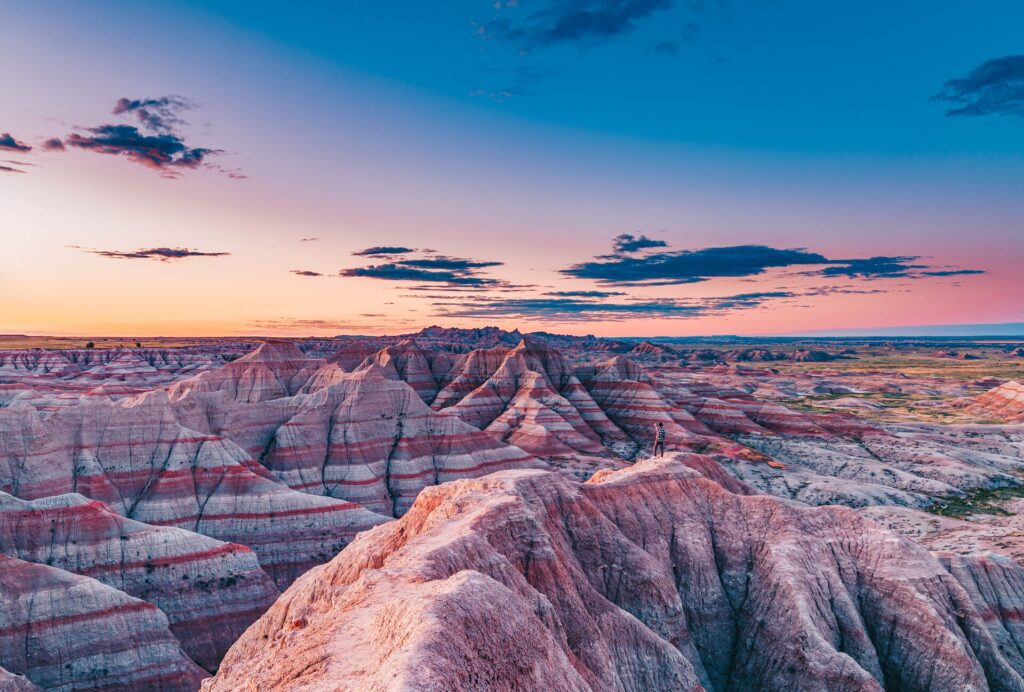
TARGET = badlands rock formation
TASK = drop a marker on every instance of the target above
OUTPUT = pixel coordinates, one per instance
(1002, 403)
(210, 591)
(653, 577)
(136, 458)
(199, 483)
(69, 632)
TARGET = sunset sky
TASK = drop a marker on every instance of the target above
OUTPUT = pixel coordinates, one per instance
(616, 167)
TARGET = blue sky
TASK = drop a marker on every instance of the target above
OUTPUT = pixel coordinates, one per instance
(528, 133)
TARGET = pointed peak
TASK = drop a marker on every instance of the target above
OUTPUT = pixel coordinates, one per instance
(275, 351)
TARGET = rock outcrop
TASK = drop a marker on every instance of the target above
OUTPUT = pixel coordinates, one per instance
(1002, 403)
(137, 459)
(371, 440)
(276, 369)
(210, 591)
(528, 395)
(649, 578)
(68, 632)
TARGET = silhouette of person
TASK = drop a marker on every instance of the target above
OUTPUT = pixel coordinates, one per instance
(659, 440)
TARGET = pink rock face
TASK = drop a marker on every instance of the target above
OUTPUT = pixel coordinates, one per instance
(274, 370)
(136, 458)
(210, 591)
(627, 394)
(529, 395)
(65, 631)
(654, 577)
(372, 440)
(1003, 403)
(407, 362)
(9, 682)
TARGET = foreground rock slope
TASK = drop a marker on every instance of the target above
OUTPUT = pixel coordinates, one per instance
(654, 577)
(68, 632)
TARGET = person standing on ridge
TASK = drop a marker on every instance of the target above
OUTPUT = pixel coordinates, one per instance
(659, 440)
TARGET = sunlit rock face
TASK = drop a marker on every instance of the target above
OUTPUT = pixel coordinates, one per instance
(1002, 403)
(64, 631)
(653, 577)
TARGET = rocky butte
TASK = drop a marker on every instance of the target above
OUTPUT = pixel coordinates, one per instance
(476, 509)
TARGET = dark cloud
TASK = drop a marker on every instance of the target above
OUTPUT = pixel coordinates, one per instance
(996, 87)
(568, 309)
(874, 268)
(162, 254)
(953, 272)
(692, 266)
(159, 147)
(436, 272)
(689, 266)
(743, 300)
(443, 262)
(563, 21)
(305, 272)
(385, 250)
(156, 114)
(628, 243)
(8, 169)
(165, 153)
(584, 294)
(397, 272)
(308, 240)
(9, 143)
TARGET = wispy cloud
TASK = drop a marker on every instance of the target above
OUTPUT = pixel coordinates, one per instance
(384, 250)
(305, 326)
(516, 82)
(308, 240)
(436, 271)
(890, 268)
(569, 309)
(9, 169)
(161, 114)
(166, 153)
(562, 21)
(627, 243)
(565, 309)
(398, 272)
(996, 87)
(9, 143)
(305, 272)
(161, 254)
(584, 294)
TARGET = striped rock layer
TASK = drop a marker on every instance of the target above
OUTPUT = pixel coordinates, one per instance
(528, 395)
(650, 578)
(1002, 403)
(63, 631)
(210, 591)
(136, 458)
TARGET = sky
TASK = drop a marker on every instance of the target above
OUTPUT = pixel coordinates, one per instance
(615, 167)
